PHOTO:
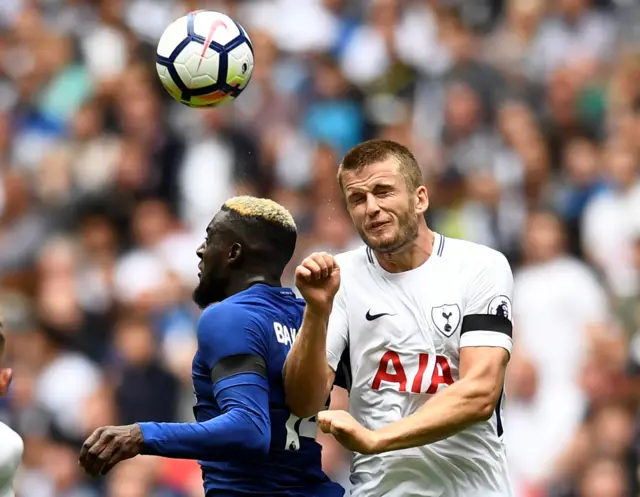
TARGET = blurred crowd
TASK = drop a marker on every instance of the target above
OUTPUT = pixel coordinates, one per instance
(525, 115)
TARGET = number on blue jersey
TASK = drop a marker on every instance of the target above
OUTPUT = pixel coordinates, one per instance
(300, 427)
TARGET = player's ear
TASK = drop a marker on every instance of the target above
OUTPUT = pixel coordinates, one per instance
(422, 200)
(236, 253)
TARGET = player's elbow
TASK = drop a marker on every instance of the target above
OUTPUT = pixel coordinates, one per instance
(483, 401)
(254, 435)
(258, 445)
(485, 411)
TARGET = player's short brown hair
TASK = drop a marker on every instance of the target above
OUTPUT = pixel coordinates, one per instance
(374, 151)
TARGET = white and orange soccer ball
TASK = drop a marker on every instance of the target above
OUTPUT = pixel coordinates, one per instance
(204, 59)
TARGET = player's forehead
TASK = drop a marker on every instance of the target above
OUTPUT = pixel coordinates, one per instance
(219, 221)
(384, 173)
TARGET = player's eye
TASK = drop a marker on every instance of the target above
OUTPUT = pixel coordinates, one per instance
(383, 192)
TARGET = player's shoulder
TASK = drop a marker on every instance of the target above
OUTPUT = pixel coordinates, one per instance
(472, 256)
(253, 307)
(229, 312)
(228, 328)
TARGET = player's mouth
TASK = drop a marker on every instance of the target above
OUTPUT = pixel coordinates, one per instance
(200, 269)
(377, 225)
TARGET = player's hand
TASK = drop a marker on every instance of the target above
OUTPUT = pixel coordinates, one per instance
(109, 445)
(318, 279)
(348, 431)
(5, 380)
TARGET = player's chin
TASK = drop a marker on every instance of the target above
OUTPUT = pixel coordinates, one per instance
(202, 297)
(383, 242)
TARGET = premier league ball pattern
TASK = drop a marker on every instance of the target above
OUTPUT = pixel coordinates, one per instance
(204, 59)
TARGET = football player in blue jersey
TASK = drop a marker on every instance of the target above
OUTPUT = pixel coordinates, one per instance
(245, 438)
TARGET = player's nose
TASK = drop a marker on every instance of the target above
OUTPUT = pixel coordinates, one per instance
(372, 207)
(200, 250)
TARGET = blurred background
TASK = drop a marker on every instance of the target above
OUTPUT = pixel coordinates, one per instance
(525, 115)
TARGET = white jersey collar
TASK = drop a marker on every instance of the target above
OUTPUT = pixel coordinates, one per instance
(438, 249)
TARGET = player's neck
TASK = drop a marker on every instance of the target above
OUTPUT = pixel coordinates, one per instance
(411, 256)
(244, 282)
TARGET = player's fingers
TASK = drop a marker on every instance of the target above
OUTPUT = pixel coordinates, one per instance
(94, 459)
(115, 456)
(324, 422)
(338, 426)
(313, 267)
(323, 264)
(92, 462)
(325, 427)
(329, 261)
(325, 416)
(118, 457)
(322, 415)
(303, 273)
(88, 445)
(334, 415)
(325, 261)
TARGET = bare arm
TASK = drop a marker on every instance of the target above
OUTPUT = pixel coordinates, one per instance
(307, 375)
(466, 402)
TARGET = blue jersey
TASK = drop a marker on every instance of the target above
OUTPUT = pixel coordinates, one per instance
(242, 344)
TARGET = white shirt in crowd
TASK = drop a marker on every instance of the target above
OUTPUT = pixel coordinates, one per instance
(610, 226)
(555, 301)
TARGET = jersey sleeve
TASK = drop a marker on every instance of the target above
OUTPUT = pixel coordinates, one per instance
(233, 346)
(488, 317)
(234, 349)
(337, 331)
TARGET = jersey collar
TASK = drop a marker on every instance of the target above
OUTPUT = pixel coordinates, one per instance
(438, 250)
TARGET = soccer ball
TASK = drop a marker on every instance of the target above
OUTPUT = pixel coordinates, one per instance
(204, 59)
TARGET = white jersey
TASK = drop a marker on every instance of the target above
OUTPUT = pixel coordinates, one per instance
(11, 449)
(399, 336)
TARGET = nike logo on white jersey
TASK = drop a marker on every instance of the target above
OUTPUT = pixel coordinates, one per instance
(373, 317)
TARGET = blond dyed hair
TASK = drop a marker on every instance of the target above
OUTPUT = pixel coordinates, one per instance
(262, 208)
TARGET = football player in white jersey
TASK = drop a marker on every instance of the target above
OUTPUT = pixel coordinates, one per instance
(420, 325)
(11, 445)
